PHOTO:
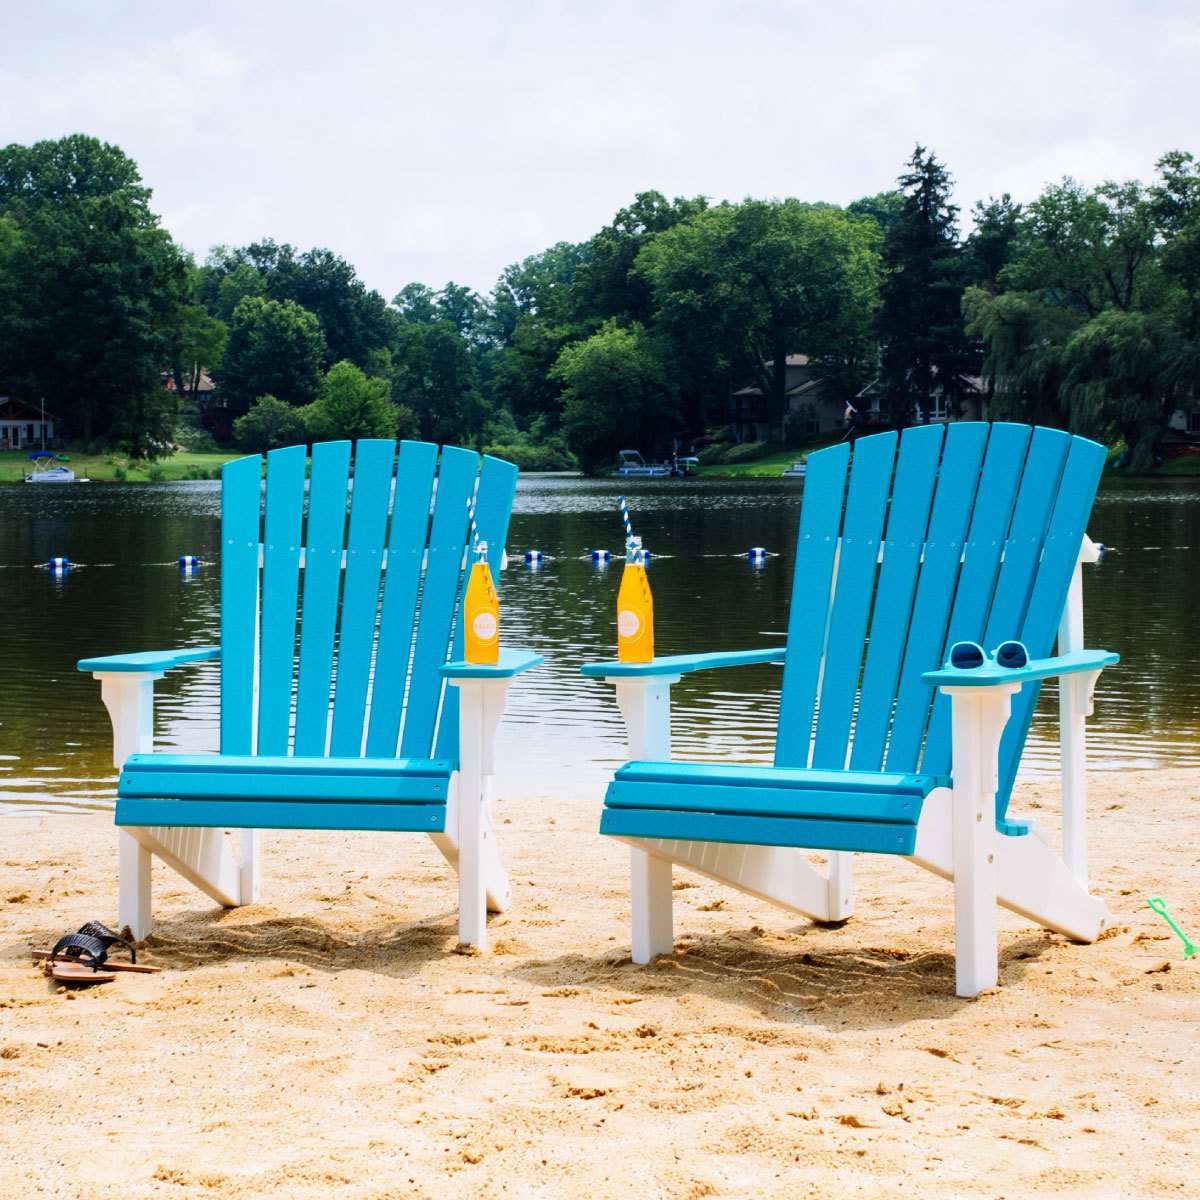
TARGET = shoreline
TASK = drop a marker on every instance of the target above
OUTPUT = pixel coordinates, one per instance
(330, 1038)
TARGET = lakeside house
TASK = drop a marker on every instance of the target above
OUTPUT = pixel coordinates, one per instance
(22, 426)
(816, 408)
(197, 383)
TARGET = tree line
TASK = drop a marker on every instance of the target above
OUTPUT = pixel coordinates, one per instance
(1080, 309)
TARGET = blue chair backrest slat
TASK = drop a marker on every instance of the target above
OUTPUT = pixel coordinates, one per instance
(325, 540)
(369, 500)
(402, 581)
(457, 479)
(959, 479)
(854, 583)
(493, 507)
(816, 550)
(241, 505)
(280, 584)
(999, 604)
(1060, 554)
(908, 519)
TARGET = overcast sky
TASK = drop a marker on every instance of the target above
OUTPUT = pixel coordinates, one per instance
(433, 142)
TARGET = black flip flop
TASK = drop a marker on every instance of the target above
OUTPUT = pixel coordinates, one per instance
(82, 958)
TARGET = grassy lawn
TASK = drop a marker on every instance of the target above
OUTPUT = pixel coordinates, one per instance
(771, 466)
(111, 468)
(1188, 464)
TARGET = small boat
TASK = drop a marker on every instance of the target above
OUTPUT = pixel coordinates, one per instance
(797, 470)
(631, 464)
(49, 468)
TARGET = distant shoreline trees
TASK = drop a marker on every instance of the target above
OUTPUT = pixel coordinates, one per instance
(1080, 308)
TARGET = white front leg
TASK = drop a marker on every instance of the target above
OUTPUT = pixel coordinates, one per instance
(646, 706)
(978, 719)
(481, 704)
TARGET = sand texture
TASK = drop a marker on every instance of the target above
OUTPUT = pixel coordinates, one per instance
(330, 1042)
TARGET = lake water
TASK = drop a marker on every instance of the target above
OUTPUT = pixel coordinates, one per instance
(127, 593)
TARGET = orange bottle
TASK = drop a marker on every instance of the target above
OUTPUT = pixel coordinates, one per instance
(481, 612)
(635, 608)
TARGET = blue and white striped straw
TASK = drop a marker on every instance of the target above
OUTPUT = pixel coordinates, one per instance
(630, 540)
(478, 548)
(625, 518)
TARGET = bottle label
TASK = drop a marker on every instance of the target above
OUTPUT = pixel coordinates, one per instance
(628, 623)
(485, 626)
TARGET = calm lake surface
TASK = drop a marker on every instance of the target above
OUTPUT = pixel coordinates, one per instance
(562, 733)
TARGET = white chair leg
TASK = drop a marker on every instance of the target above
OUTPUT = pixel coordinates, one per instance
(133, 902)
(250, 867)
(473, 826)
(651, 898)
(841, 885)
(978, 717)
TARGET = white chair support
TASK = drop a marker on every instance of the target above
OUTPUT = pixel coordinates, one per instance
(956, 836)
(206, 858)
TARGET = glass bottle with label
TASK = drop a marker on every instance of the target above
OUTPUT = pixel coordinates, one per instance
(481, 612)
(635, 608)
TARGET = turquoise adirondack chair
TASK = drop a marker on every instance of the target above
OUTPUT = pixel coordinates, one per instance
(339, 636)
(907, 545)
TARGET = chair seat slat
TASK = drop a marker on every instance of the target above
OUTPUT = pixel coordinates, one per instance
(241, 501)
(280, 584)
(866, 505)
(405, 558)
(457, 477)
(324, 542)
(816, 554)
(370, 496)
(908, 520)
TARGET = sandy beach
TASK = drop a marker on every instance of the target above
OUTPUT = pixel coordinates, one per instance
(330, 1042)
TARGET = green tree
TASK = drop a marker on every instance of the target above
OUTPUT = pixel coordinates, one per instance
(353, 319)
(923, 341)
(1095, 323)
(605, 284)
(274, 348)
(353, 405)
(435, 377)
(990, 245)
(269, 424)
(1122, 373)
(92, 291)
(241, 282)
(743, 286)
(886, 209)
(617, 393)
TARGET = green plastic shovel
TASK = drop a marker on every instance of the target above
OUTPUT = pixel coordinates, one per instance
(1159, 905)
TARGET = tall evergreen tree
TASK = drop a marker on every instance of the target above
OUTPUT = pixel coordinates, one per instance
(923, 344)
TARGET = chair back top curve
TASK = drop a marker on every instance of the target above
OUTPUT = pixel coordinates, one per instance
(340, 595)
(907, 544)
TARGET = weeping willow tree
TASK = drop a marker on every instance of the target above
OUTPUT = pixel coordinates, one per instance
(1024, 363)
(1123, 372)
(1094, 323)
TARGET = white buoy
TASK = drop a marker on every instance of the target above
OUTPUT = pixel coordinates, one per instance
(188, 561)
(59, 564)
(600, 556)
(533, 557)
(757, 554)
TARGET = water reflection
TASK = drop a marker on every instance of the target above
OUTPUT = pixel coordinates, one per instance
(125, 591)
